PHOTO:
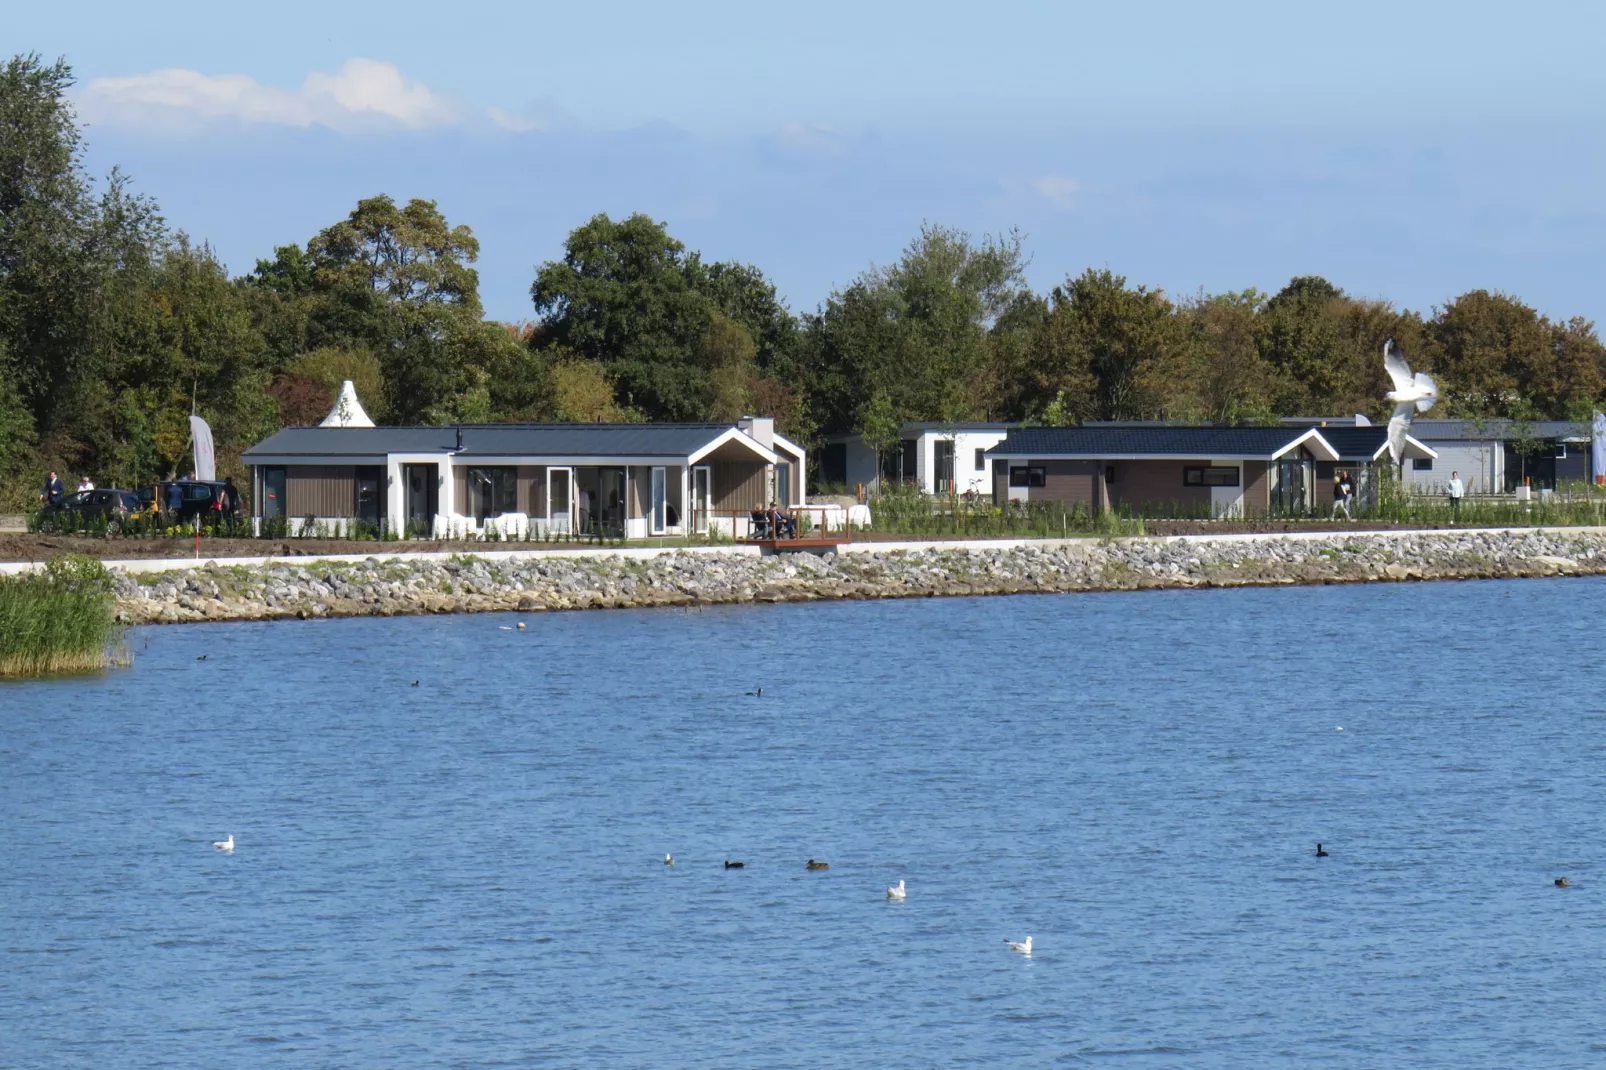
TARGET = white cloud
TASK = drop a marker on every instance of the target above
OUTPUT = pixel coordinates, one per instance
(364, 93)
(811, 139)
(1057, 189)
(507, 120)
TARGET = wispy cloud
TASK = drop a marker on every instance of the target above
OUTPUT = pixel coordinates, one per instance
(1057, 190)
(362, 94)
(811, 140)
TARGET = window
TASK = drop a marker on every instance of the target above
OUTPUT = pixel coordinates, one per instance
(1028, 475)
(492, 491)
(981, 460)
(1422, 464)
(1222, 476)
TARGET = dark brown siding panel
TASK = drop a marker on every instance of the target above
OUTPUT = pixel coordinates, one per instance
(1070, 482)
(738, 486)
(532, 490)
(640, 489)
(1257, 489)
(320, 490)
(1158, 485)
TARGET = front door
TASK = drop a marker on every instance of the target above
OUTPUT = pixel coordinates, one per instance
(942, 460)
(420, 480)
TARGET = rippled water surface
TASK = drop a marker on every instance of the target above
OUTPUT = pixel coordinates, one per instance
(469, 872)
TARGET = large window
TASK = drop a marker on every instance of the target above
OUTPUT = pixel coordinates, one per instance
(981, 459)
(942, 463)
(272, 492)
(1028, 475)
(1421, 464)
(1222, 476)
(492, 491)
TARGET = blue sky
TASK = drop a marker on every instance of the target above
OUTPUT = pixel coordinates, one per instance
(1408, 152)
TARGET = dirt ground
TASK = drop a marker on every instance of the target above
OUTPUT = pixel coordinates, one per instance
(17, 546)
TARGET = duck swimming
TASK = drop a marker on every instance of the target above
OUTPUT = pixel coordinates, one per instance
(1319, 852)
(812, 864)
(1563, 882)
(734, 865)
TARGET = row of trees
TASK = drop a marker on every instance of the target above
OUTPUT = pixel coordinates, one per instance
(114, 327)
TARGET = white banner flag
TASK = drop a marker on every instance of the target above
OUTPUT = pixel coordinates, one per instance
(205, 462)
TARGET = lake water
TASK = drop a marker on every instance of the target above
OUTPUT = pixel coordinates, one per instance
(469, 872)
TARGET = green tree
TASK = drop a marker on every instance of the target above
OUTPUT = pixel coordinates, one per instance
(915, 331)
(629, 296)
(1492, 353)
(396, 280)
(1102, 326)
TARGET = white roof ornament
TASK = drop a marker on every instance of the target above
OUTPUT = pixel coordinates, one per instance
(348, 410)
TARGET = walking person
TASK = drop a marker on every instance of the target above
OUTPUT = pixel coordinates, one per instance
(54, 490)
(1456, 491)
(1343, 491)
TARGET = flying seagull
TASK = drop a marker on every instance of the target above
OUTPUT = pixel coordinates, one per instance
(1411, 394)
(1023, 946)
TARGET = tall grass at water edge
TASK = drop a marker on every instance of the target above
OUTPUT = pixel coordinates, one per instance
(59, 620)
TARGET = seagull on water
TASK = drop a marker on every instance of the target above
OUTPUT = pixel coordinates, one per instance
(897, 893)
(225, 845)
(1411, 394)
(669, 860)
(1023, 946)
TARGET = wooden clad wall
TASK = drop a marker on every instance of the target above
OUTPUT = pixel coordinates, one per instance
(320, 490)
(640, 490)
(1071, 482)
(532, 489)
(738, 485)
(1158, 483)
(1257, 489)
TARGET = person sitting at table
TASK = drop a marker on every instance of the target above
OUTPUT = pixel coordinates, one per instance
(782, 523)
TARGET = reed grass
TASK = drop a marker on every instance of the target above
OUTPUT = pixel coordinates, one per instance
(58, 620)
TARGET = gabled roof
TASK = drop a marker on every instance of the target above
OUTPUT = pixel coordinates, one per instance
(1370, 443)
(499, 440)
(1106, 441)
(1116, 441)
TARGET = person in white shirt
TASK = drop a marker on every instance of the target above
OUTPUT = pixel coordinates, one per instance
(85, 484)
(1456, 492)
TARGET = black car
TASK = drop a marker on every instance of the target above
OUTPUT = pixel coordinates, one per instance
(109, 504)
(196, 497)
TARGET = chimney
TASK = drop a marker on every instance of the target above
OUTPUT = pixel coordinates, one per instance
(760, 429)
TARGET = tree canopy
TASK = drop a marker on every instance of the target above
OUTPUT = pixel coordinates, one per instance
(114, 327)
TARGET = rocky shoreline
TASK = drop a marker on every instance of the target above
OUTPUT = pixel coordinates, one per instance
(389, 586)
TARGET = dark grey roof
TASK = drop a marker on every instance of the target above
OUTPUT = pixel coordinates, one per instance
(1148, 440)
(493, 440)
(1356, 443)
(1428, 430)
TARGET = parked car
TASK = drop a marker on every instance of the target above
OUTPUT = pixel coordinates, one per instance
(109, 504)
(197, 497)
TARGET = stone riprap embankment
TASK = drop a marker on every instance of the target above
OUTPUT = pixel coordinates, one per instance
(386, 586)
